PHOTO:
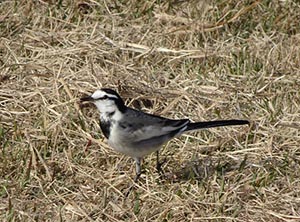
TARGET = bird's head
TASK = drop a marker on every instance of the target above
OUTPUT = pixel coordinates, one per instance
(106, 100)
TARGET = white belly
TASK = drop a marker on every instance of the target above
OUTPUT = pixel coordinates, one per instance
(121, 142)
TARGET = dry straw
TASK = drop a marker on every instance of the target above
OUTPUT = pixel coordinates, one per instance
(198, 59)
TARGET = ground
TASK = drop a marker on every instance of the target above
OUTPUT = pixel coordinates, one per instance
(203, 60)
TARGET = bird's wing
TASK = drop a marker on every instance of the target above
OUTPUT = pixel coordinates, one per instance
(142, 126)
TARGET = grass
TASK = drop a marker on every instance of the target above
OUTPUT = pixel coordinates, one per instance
(201, 60)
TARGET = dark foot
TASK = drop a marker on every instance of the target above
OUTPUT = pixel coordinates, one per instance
(136, 178)
(129, 190)
(159, 168)
(159, 164)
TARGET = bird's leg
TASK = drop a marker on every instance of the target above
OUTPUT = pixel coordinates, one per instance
(137, 168)
(159, 164)
(137, 176)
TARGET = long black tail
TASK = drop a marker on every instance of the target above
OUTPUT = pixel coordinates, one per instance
(210, 124)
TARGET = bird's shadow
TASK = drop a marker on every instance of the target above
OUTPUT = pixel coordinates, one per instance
(201, 169)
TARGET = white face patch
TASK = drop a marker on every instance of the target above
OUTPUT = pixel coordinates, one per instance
(104, 101)
(98, 94)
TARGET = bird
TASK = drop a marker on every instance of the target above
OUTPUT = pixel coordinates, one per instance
(136, 133)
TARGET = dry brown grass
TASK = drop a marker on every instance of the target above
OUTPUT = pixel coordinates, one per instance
(198, 59)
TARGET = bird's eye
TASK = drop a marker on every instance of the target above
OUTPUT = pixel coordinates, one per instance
(102, 98)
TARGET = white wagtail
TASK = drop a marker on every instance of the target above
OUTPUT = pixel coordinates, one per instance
(138, 134)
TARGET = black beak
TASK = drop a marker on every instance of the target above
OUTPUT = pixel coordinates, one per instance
(86, 99)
